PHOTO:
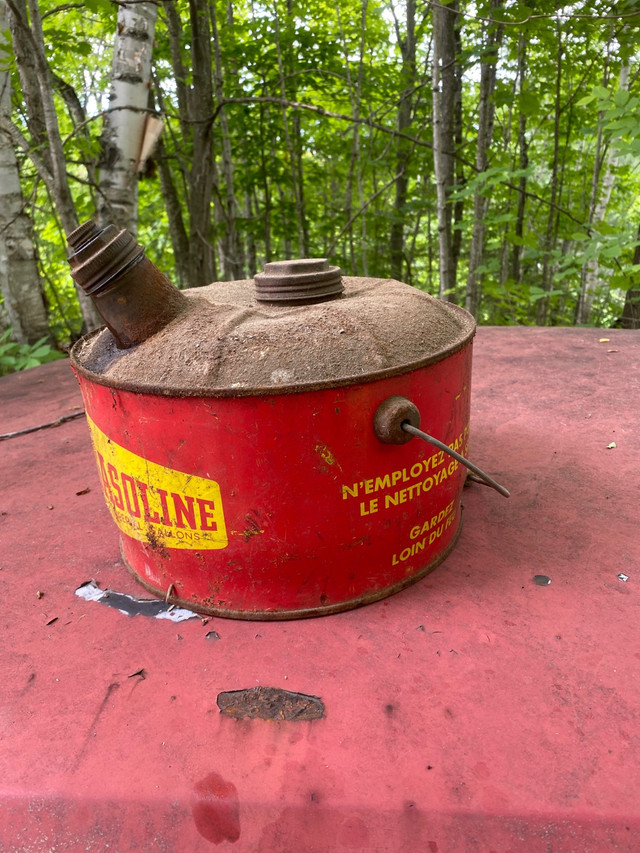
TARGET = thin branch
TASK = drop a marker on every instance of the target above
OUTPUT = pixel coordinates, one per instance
(66, 7)
(81, 125)
(60, 420)
(564, 16)
(362, 209)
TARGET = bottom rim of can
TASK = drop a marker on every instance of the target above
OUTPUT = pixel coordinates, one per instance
(305, 613)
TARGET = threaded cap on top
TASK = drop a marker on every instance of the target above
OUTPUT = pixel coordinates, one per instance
(295, 281)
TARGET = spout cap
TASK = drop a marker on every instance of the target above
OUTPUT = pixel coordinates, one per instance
(298, 281)
(97, 256)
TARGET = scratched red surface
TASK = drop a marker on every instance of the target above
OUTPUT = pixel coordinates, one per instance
(283, 462)
(475, 711)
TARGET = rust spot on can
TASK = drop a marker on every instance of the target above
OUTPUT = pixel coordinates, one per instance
(326, 455)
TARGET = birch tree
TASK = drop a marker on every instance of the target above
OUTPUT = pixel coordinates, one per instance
(127, 117)
(46, 151)
(19, 280)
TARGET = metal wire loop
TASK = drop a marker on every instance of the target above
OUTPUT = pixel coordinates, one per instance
(489, 481)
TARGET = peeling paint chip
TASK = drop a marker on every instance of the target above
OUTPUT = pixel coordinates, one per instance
(270, 703)
(131, 606)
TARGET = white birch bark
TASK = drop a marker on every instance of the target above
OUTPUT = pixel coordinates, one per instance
(124, 125)
(19, 281)
(28, 39)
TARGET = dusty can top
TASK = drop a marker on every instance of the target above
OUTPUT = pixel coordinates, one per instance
(228, 343)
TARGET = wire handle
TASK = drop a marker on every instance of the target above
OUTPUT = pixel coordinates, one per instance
(485, 478)
(396, 421)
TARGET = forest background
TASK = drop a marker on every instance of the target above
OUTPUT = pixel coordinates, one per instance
(485, 152)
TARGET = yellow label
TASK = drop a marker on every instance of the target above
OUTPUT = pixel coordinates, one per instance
(159, 505)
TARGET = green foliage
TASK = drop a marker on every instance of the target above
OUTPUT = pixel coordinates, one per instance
(344, 151)
(15, 357)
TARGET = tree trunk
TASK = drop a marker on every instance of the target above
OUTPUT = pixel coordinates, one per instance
(193, 246)
(485, 138)
(19, 279)
(60, 187)
(42, 121)
(523, 148)
(444, 93)
(201, 251)
(458, 142)
(630, 318)
(292, 137)
(266, 188)
(552, 219)
(252, 255)
(403, 147)
(124, 127)
(231, 260)
(600, 197)
(354, 175)
(177, 231)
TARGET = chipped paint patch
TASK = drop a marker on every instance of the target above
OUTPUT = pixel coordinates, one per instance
(132, 606)
(325, 454)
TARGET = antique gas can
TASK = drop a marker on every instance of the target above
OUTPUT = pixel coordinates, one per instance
(248, 434)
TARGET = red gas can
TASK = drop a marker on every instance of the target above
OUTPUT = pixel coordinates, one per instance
(246, 447)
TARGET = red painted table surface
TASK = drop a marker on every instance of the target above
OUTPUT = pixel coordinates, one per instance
(475, 711)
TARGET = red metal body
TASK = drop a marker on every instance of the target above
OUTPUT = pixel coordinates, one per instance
(282, 505)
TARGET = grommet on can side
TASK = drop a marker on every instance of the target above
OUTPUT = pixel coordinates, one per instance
(389, 417)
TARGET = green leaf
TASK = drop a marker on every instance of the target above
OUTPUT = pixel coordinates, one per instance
(621, 98)
(40, 352)
(529, 103)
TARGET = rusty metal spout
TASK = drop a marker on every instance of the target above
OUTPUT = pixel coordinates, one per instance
(132, 296)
